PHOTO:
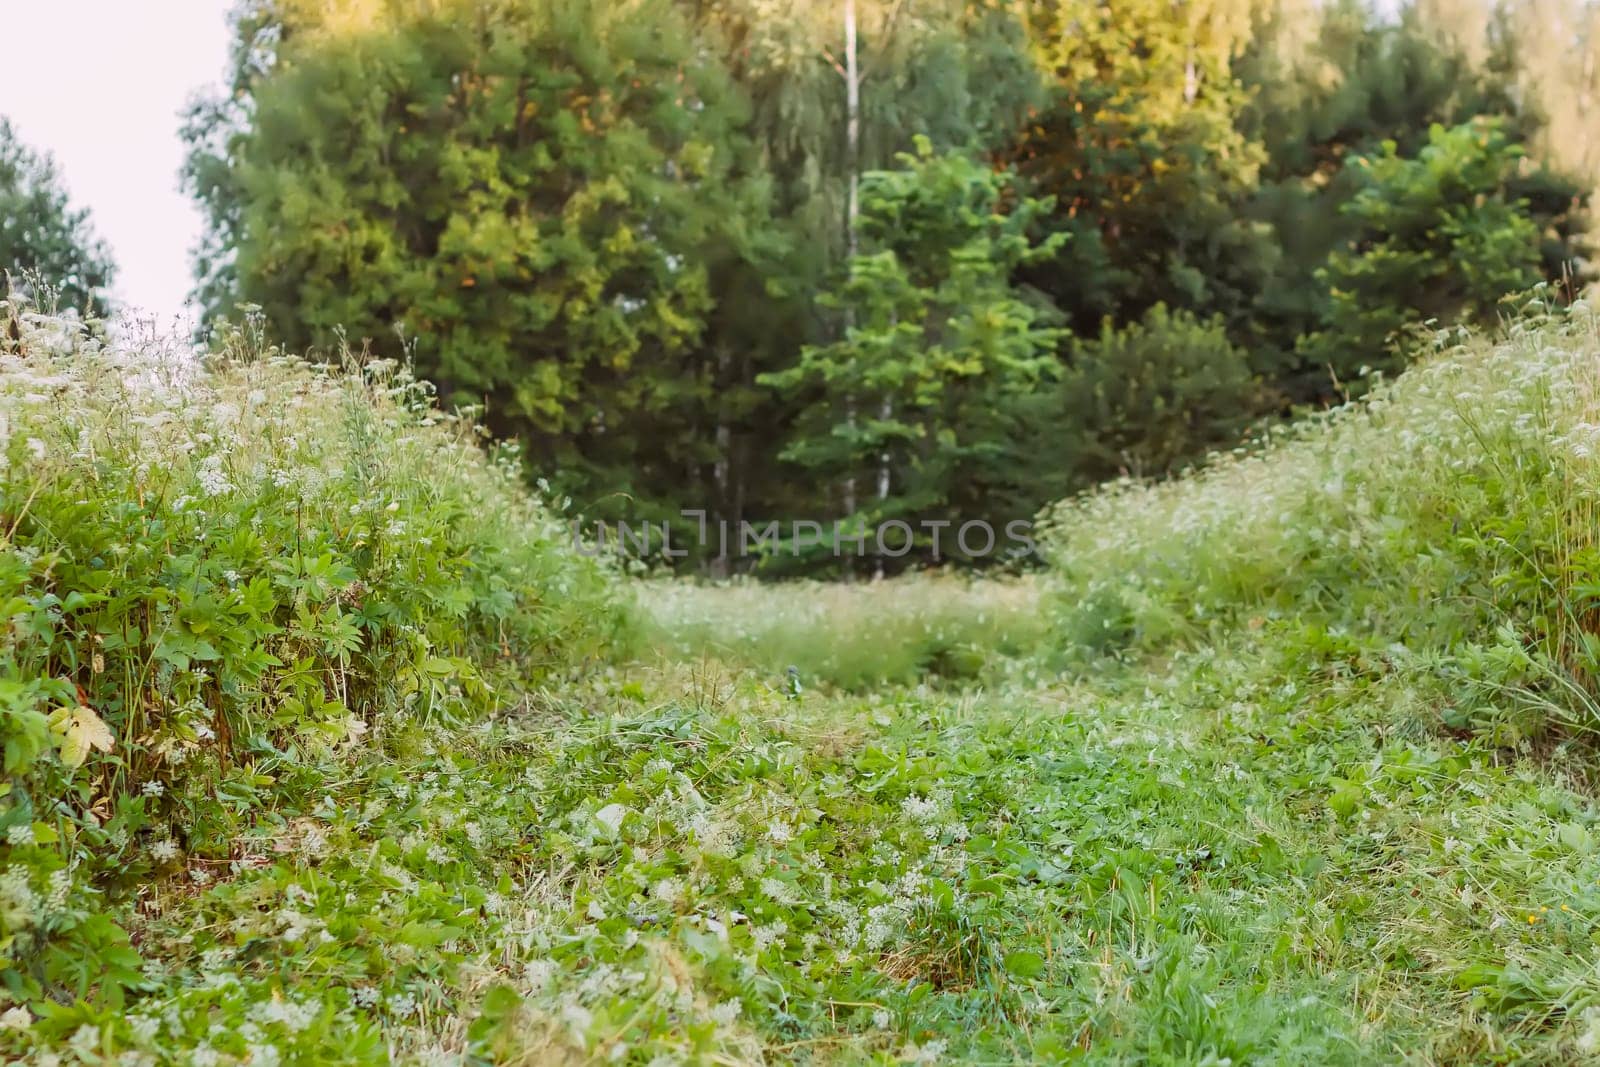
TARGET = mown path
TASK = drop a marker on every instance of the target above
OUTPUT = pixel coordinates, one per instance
(1229, 858)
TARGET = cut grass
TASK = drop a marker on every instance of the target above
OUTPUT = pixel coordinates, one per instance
(1255, 855)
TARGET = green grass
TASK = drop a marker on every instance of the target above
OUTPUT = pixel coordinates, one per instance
(1286, 762)
(1195, 861)
(215, 577)
(853, 636)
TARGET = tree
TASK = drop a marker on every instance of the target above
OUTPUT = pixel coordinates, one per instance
(837, 88)
(1441, 236)
(1138, 148)
(1147, 398)
(954, 71)
(42, 236)
(941, 341)
(543, 199)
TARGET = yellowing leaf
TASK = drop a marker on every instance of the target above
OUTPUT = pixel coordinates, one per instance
(81, 731)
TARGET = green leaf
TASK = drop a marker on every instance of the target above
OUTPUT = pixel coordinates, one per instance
(427, 935)
(501, 1001)
(1025, 963)
(1346, 799)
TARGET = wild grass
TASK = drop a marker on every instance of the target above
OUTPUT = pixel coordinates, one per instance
(217, 571)
(1285, 762)
(1451, 516)
(902, 631)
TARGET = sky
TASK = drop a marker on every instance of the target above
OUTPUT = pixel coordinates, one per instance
(101, 85)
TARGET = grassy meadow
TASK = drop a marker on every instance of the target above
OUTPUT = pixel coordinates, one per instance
(322, 746)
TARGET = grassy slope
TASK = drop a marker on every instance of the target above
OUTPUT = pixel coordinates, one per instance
(1309, 783)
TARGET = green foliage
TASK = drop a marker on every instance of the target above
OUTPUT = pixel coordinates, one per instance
(42, 237)
(957, 73)
(612, 223)
(1148, 398)
(215, 581)
(1218, 855)
(1138, 149)
(1322, 782)
(1441, 238)
(1330, 83)
(1444, 522)
(541, 211)
(910, 401)
(937, 629)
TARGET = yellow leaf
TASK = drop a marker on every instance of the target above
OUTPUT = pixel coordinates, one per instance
(81, 731)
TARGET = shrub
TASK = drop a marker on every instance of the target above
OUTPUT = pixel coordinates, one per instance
(1441, 237)
(1155, 394)
(216, 572)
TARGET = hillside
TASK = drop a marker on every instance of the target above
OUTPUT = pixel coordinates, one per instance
(322, 746)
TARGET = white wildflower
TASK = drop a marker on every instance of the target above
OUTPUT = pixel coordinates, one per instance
(85, 1041)
(775, 890)
(213, 482)
(315, 841)
(610, 818)
(294, 1015)
(536, 974)
(919, 809)
(60, 883)
(1589, 1041)
(578, 1019)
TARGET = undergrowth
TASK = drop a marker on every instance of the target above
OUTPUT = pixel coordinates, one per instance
(943, 628)
(1284, 762)
(1450, 518)
(215, 574)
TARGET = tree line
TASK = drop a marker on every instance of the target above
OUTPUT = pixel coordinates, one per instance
(876, 260)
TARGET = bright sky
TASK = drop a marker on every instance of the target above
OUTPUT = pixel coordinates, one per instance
(101, 85)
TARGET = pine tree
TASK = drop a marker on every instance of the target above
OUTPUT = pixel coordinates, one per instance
(1329, 85)
(940, 342)
(42, 237)
(538, 202)
(1138, 148)
(1440, 238)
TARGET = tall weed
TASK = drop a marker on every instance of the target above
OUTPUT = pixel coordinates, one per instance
(215, 574)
